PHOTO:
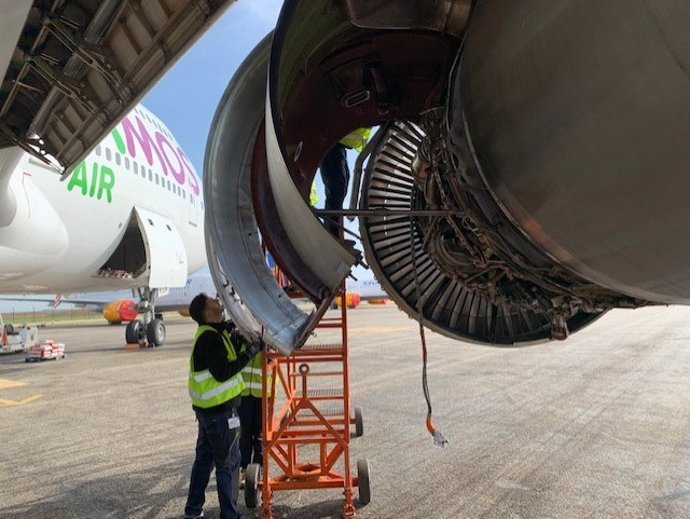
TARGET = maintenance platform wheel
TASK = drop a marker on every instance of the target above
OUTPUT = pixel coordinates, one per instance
(251, 486)
(155, 332)
(364, 482)
(359, 422)
(133, 331)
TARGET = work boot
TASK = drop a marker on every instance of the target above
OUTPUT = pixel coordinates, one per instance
(192, 516)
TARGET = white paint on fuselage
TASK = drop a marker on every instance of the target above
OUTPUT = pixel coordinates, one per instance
(64, 231)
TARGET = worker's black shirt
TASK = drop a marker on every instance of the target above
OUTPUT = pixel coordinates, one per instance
(210, 353)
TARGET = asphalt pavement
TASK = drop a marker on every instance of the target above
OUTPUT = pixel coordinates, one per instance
(597, 426)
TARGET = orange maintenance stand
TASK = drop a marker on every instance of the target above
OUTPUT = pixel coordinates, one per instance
(307, 422)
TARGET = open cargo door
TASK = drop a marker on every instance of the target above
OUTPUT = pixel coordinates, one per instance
(167, 257)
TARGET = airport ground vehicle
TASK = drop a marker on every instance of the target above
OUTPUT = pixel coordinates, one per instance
(16, 339)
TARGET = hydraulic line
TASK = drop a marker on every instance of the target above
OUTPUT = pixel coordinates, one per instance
(439, 439)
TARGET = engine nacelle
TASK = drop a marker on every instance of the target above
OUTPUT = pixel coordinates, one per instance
(120, 311)
(521, 184)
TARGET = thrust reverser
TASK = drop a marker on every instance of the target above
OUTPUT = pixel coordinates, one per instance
(529, 174)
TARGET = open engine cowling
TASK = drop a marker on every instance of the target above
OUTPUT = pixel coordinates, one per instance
(528, 175)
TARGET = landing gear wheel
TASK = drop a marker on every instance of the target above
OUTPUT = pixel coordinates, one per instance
(251, 486)
(133, 332)
(155, 332)
(359, 422)
(364, 482)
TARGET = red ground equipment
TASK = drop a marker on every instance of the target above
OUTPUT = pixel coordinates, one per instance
(307, 424)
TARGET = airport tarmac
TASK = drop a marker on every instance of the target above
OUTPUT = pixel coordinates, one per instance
(597, 426)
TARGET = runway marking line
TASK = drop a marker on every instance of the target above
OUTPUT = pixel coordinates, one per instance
(7, 383)
(378, 329)
(11, 403)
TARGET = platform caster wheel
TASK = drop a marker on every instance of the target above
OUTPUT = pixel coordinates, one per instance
(133, 332)
(364, 483)
(359, 422)
(251, 486)
(155, 332)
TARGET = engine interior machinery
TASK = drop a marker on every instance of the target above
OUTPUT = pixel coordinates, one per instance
(529, 173)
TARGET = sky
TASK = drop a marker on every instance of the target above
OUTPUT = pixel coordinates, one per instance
(186, 97)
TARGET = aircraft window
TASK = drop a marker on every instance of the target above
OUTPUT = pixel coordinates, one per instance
(136, 167)
(127, 162)
(117, 158)
(108, 155)
(184, 194)
(98, 150)
(150, 175)
(157, 179)
(169, 186)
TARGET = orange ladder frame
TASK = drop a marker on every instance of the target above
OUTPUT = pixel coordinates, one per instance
(302, 422)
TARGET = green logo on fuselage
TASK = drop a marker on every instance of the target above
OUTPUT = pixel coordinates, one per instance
(100, 183)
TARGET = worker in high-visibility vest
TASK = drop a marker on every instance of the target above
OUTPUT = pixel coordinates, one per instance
(250, 415)
(335, 174)
(313, 195)
(215, 387)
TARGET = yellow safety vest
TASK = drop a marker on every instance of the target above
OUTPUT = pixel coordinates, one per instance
(252, 378)
(356, 139)
(205, 390)
(313, 195)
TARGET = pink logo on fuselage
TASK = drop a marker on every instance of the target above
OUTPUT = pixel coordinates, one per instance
(171, 158)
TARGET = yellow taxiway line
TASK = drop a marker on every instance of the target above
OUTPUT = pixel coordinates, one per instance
(11, 403)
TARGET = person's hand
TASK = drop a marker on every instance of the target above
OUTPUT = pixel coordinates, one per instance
(256, 346)
(229, 325)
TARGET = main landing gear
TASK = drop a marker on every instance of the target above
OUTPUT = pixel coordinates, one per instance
(150, 329)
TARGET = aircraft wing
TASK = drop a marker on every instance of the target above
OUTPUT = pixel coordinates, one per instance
(71, 70)
(49, 300)
(55, 301)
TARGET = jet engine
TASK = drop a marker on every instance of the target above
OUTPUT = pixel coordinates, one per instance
(120, 311)
(528, 174)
